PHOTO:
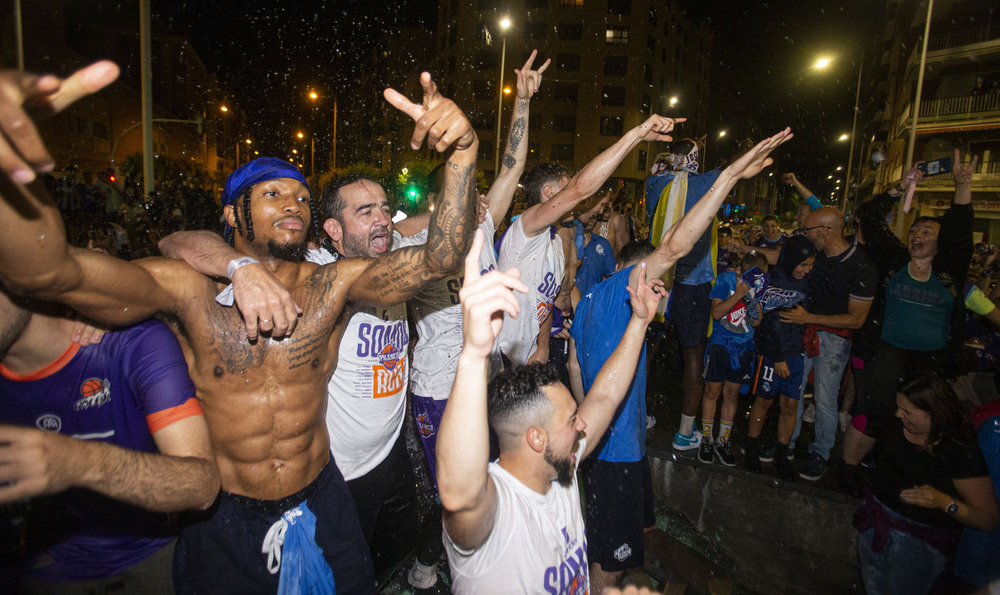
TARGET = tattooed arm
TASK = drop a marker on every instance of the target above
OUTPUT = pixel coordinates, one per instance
(400, 274)
(502, 191)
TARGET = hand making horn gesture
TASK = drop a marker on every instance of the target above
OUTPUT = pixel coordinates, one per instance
(438, 119)
(528, 80)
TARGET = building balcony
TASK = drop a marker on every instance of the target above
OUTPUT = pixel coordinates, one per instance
(956, 48)
(972, 112)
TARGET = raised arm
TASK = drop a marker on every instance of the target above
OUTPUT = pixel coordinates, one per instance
(400, 274)
(468, 496)
(263, 301)
(593, 175)
(793, 181)
(680, 238)
(516, 153)
(612, 382)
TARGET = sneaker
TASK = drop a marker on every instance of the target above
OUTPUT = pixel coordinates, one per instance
(705, 454)
(814, 468)
(785, 469)
(422, 576)
(767, 455)
(687, 441)
(844, 419)
(809, 414)
(725, 454)
(650, 422)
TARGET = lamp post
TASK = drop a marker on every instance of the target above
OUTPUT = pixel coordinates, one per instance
(312, 152)
(504, 25)
(820, 64)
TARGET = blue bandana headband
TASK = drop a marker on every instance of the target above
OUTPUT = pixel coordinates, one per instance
(259, 170)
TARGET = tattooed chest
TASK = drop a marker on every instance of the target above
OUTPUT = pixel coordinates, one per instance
(235, 354)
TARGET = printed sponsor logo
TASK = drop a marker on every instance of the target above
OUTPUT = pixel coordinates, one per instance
(96, 392)
(623, 552)
(571, 576)
(49, 422)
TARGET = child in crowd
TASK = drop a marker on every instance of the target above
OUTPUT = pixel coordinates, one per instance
(780, 355)
(729, 356)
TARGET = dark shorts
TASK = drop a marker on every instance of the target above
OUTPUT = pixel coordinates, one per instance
(615, 514)
(719, 368)
(427, 414)
(768, 385)
(221, 551)
(690, 310)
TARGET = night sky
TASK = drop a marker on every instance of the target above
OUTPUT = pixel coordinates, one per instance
(267, 54)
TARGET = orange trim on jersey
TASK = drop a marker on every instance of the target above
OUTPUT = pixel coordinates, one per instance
(49, 369)
(756, 375)
(161, 419)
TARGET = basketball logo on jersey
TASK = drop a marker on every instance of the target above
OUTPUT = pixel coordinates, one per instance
(96, 392)
(424, 425)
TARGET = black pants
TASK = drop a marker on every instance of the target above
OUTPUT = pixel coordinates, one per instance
(890, 366)
(384, 498)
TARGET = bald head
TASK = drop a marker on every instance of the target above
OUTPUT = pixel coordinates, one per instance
(831, 217)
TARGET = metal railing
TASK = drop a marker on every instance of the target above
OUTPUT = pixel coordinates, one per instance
(954, 39)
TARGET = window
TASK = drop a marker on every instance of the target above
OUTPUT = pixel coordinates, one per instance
(622, 7)
(451, 65)
(534, 31)
(613, 96)
(565, 92)
(564, 123)
(616, 36)
(569, 62)
(562, 153)
(574, 4)
(482, 90)
(569, 32)
(452, 36)
(645, 103)
(652, 17)
(611, 126)
(535, 121)
(615, 66)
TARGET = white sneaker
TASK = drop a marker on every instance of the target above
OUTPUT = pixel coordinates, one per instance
(422, 576)
(809, 414)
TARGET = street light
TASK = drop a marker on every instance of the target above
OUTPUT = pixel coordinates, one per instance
(504, 25)
(312, 151)
(842, 138)
(722, 133)
(820, 64)
(223, 108)
(673, 101)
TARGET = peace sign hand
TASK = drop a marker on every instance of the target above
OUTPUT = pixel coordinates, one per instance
(438, 119)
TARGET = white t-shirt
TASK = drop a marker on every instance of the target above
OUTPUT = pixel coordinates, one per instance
(367, 391)
(541, 262)
(438, 316)
(538, 543)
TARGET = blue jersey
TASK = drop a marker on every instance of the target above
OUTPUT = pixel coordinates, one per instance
(601, 318)
(598, 263)
(120, 391)
(733, 328)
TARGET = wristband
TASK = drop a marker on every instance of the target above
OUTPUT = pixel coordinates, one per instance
(238, 263)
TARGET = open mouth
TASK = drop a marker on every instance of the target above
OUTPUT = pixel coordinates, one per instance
(380, 242)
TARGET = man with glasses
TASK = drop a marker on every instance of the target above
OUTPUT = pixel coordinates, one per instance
(841, 290)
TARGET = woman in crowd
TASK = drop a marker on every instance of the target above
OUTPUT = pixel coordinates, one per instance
(930, 481)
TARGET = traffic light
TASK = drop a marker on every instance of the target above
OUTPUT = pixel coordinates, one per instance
(413, 193)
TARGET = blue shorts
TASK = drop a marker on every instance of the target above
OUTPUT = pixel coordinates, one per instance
(768, 385)
(718, 365)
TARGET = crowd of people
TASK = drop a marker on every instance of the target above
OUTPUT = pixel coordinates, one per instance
(232, 416)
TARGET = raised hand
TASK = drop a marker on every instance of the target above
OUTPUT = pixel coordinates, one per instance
(485, 299)
(788, 178)
(963, 173)
(438, 119)
(528, 80)
(753, 161)
(26, 96)
(645, 296)
(657, 128)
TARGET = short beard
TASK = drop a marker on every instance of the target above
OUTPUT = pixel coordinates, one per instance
(564, 467)
(289, 252)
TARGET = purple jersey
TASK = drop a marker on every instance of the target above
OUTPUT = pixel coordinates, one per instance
(133, 383)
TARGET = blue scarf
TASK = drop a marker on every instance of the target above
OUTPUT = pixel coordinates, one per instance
(259, 170)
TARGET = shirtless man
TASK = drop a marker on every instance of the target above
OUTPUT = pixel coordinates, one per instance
(264, 399)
